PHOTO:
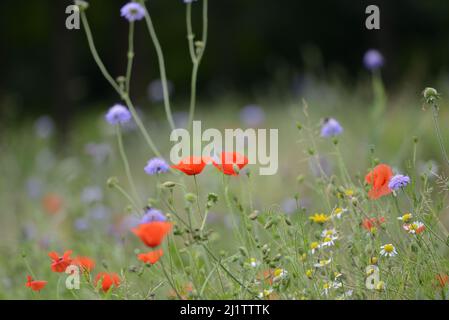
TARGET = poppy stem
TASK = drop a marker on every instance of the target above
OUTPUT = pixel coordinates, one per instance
(198, 197)
(170, 280)
(227, 270)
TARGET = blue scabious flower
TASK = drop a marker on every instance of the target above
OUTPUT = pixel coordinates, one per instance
(331, 128)
(153, 215)
(133, 11)
(252, 115)
(155, 166)
(373, 59)
(118, 114)
(398, 181)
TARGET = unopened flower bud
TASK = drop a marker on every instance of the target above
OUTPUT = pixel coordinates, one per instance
(82, 5)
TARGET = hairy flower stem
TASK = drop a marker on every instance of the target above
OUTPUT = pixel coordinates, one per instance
(170, 280)
(227, 270)
(126, 164)
(438, 131)
(196, 54)
(161, 62)
(140, 125)
(130, 56)
(197, 189)
(127, 196)
(114, 84)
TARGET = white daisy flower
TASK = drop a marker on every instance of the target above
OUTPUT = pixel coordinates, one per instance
(314, 246)
(254, 263)
(330, 285)
(279, 274)
(329, 233)
(265, 293)
(388, 250)
(406, 217)
(322, 263)
(338, 212)
(328, 242)
(416, 227)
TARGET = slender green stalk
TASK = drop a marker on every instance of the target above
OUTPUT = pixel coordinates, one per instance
(161, 61)
(140, 125)
(130, 56)
(126, 164)
(197, 189)
(170, 280)
(97, 58)
(196, 56)
(127, 196)
(438, 131)
(114, 84)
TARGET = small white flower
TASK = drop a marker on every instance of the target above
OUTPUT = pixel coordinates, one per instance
(345, 295)
(330, 285)
(328, 242)
(265, 293)
(329, 233)
(338, 212)
(314, 246)
(322, 263)
(406, 217)
(416, 227)
(254, 263)
(279, 274)
(388, 250)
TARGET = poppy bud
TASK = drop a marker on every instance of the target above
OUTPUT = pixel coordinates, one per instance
(254, 215)
(168, 184)
(298, 125)
(269, 224)
(111, 182)
(190, 197)
(243, 251)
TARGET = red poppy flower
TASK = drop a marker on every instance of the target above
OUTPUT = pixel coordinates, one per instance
(35, 285)
(370, 223)
(152, 233)
(59, 264)
(443, 280)
(85, 263)
(52, 203)
(230, 161)
(107, 280)
(151, 257)
(192, 165)
(379, 178)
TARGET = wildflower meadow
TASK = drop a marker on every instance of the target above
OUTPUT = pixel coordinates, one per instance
(337, 193)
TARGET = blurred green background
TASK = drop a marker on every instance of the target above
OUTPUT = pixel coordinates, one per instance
(253, 46)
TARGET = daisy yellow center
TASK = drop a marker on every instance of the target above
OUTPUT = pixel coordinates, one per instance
(388, 248)
(338, 210)
(349, 192)
(278, 272)
(327, 239)
(406, 217)
(319, 218)
(314, 245)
